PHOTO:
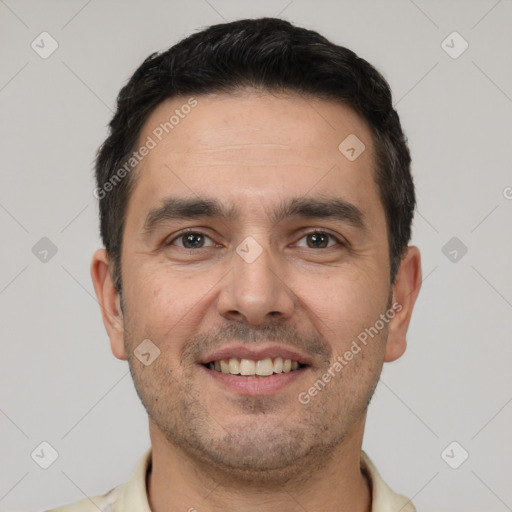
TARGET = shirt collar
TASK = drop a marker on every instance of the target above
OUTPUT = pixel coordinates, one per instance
(384, 499)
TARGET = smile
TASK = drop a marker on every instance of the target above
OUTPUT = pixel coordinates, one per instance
(249, 367)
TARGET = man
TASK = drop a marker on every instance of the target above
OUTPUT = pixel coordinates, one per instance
(256, 204)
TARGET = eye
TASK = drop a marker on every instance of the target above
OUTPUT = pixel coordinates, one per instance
(191, 240)
(320, 240)
(196, 240)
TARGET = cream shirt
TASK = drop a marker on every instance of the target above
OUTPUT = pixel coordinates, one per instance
(132, 495)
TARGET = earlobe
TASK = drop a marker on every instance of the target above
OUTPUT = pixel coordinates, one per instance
(110, 302)
(405, 291)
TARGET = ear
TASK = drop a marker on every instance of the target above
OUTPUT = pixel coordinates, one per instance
(405, 291)
(110, 302)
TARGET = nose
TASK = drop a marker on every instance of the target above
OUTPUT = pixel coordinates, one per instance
(255, 292)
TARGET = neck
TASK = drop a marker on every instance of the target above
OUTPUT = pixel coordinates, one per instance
(178, 481)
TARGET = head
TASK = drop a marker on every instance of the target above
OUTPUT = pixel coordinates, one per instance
(233, 214)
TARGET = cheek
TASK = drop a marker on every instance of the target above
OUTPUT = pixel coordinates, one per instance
(167, 305)
(344, 304)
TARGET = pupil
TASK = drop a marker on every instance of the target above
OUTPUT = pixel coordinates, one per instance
(190, 238)
(316, 236)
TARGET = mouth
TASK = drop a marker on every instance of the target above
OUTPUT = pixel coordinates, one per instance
(259, 368)
(251, 370)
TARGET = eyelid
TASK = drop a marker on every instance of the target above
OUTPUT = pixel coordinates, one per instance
(322, 231)
(183, 232)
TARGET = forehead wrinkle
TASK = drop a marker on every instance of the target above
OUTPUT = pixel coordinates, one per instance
(247, 145)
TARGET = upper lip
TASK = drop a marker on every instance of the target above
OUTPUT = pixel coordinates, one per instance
(255, 353)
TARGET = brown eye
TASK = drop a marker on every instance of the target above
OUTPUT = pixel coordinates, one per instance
(190, 240)
(319, 240)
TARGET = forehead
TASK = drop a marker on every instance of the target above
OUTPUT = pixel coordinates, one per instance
(253, 145)
(247, 118)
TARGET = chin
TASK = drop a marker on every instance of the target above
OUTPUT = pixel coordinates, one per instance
(260, 452)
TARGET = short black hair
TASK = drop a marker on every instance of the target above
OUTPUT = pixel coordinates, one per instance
(267, 54)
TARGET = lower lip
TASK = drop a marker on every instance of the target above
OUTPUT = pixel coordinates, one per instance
(252, 386)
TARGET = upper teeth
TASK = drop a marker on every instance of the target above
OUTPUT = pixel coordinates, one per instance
(261, 367)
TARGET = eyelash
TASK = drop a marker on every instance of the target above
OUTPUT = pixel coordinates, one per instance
(313, 232)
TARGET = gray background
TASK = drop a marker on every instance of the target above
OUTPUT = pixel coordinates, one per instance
(59, 381)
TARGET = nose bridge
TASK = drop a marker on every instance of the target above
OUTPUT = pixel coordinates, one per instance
(255, 290)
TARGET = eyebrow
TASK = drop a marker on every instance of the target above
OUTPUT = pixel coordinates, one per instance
(180, 208)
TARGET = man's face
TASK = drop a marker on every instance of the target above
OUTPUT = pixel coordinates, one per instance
(304, 297)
